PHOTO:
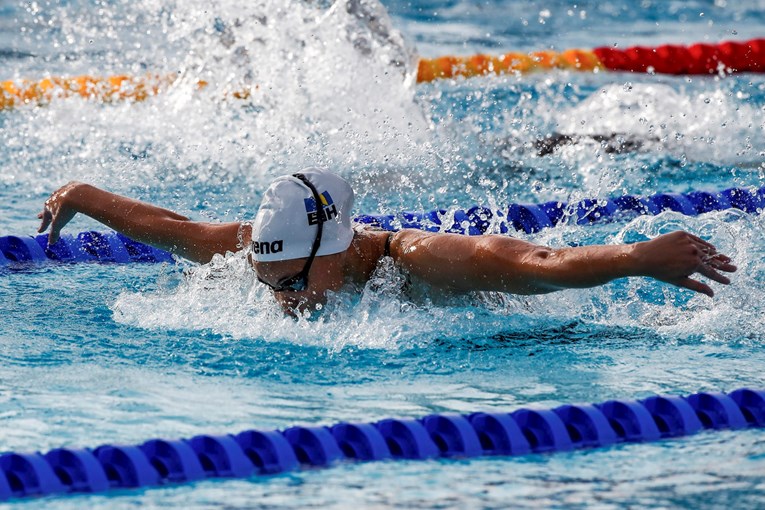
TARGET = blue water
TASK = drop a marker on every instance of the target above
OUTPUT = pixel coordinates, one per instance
(93, 354)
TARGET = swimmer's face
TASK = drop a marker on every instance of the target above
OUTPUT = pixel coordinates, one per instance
(326, 274)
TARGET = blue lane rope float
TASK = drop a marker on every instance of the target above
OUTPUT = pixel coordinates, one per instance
(533, 218)
(83, 247)
(116, 248)
(251, 453)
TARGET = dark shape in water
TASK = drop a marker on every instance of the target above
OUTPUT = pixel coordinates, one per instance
(613, 143)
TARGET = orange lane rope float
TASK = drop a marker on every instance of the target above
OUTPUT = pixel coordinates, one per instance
(478, 65)
(104, 89)
(696, 59)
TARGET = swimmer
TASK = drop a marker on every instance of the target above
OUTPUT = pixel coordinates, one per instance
(302, 244)
(612, 143)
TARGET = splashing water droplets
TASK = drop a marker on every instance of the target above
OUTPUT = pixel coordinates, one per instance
(655, 111)
(331, 83)
(285, 87)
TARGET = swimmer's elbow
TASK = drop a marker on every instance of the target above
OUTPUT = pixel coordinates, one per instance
(549, 270)
(516, 266)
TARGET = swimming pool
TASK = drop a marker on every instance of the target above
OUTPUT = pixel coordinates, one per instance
(95, 353)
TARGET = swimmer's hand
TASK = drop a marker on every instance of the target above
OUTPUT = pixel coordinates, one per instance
(58, 210)
(673, 258)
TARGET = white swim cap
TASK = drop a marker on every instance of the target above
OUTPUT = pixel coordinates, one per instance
(287, 221)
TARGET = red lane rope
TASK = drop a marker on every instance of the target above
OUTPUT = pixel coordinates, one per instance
(747, 56)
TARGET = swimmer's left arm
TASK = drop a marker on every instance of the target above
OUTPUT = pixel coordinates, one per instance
(141, 221)
(501, 263)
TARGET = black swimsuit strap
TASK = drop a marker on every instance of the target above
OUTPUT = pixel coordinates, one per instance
(386, 252)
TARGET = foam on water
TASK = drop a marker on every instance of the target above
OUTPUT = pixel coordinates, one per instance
(225, 297)
(679, 135)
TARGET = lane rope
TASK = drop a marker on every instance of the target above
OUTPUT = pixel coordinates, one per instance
(104, 89)
(112, 247)
(696, 59)
(252, 453)
(103, 247)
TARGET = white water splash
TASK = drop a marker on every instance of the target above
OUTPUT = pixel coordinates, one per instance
(735, 312)
(710, 124)
(328, 86)
(225, 298)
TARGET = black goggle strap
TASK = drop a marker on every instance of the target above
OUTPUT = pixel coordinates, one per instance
(319, 216)
(292, 281)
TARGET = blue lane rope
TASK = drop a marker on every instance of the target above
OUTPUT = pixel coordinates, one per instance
(116, 248)
(533, 218)
(83, 247)
(250, 453)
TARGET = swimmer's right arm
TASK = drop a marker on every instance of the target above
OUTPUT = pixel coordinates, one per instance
(143, 222)
(501, 263)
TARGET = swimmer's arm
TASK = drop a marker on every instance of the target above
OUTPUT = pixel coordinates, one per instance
(501, 263)
(143, 222)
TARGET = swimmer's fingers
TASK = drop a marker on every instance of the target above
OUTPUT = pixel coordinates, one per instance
(54, 216)
(711, 260)
(54, 233)
(707, 269)
(59, 209)
(709, 272)
(694, 285)
(57, 223)
(46, 216)
(720, 257)
(706, 244)
(721, 263)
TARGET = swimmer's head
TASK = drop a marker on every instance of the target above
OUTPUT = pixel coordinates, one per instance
(286, 225)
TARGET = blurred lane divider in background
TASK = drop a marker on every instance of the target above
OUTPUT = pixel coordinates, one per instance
(696, 59)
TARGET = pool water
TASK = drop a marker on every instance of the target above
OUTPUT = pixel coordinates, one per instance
(95, 354)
